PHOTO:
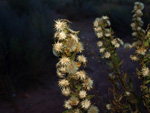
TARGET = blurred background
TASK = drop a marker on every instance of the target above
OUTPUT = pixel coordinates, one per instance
(28, 81)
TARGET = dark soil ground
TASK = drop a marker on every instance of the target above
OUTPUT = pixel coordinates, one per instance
(47, 98)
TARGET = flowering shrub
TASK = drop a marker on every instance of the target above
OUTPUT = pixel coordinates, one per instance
(124, 96)
(75, 83)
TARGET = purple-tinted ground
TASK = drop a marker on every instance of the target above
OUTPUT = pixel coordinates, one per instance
(48, 98)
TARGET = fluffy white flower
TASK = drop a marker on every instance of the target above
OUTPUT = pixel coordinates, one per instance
(107, 32)
(108, 106)
(139, 19)
(100, 34)
(139, 5)
(81, 75)
(105, 17)
(135, 8)
(107, 55)
(62, 69)
(101, 50)
(63, 83)
(77, 111)
(67, 104)
(95, 23)
(134, 34)
(72, 67)
(62, 35)
(99, 20)
(85, 104)
(117, 45)
(120, 41)
(64, 61)
(60, 25)
(74, 101)
(93, 109)
(139, 12)
(71, 44)
(114, 42)
(99, 43)
(139, 28)
(127, 93)
(140, 51)
(82, 58)
(134, 44)
(79, 47)
(58, 47)
(134, 58)
(98, 29)
(145, 71)
(133, 25)
(82, 94)
(88, 84)
(127, 46)
(66, 91)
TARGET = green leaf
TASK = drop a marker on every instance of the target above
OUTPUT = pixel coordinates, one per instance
(67, 111)
(71, 83)
(147, 81)
(146, 59)
(138, 72)
(90, 96)
(125, 77)
(79, 88)
(116, 59)
(121, 63)
(110, 29)
(126, 106)
(131, 83)
(73, 56)
(146, 89)
(146, 43)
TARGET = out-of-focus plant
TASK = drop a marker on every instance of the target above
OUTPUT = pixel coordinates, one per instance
(24, 44)
(142, 52)
(124, 97)
(122, 93)
(73, 82)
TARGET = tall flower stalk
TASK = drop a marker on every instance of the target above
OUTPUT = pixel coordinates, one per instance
(124, 98)
(142, 52)
(74, 82)
(108, 45)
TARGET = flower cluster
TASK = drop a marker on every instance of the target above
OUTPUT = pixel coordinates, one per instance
(137, 21)
(142, 53)
(73, 82)
(119, 79)
(108, 45)
(138, 32)
(105, 34)
(142, 38)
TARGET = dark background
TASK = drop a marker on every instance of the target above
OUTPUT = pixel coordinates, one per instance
(28, 81)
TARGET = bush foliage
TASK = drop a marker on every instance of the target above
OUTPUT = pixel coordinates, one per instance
(123, 97)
